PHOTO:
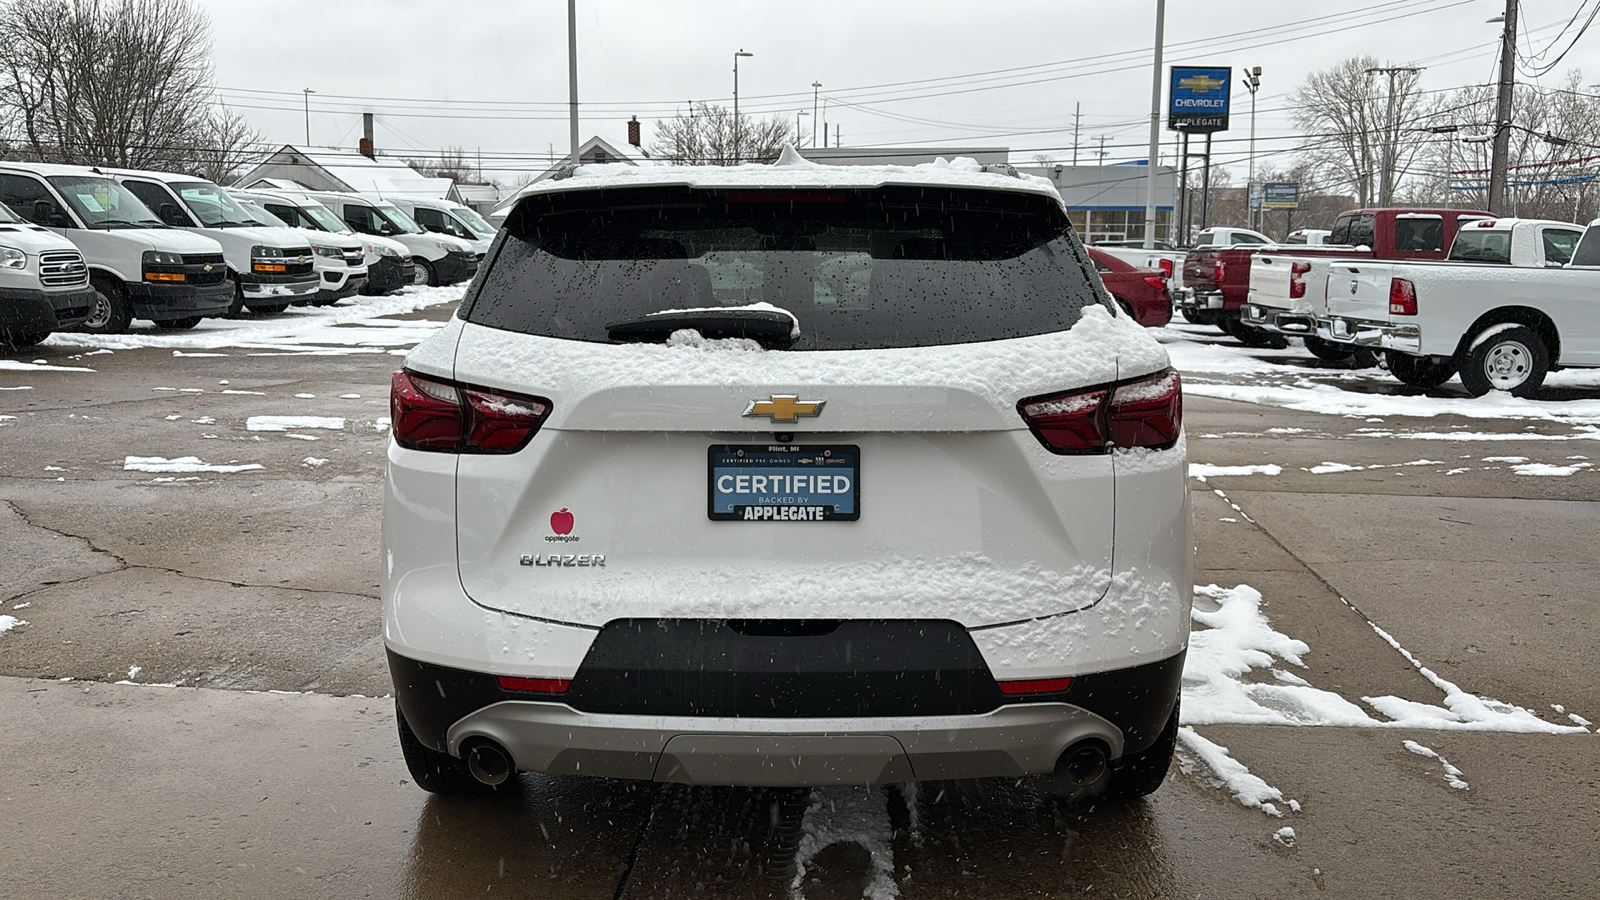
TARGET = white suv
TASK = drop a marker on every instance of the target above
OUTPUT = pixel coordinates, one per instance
(788, 475)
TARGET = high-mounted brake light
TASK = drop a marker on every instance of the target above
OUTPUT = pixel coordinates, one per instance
(432, 414)
(1297, 285)
(534, 685)
(1145, 412)
(1402, 297)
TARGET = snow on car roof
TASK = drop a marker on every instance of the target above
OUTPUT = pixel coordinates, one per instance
(792, 170)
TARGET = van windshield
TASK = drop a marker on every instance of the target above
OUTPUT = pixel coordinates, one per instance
(860, 269)
(212, 206)
(473, 220)
(324, 218)
(404, 223)
(103, 203)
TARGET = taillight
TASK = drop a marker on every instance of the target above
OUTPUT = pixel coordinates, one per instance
(1297, 285)
(1166, 268)
(430, 414)
(1145, 412)
(1158, 282)
(1219, 272)
(1034, 686)
(1402, 297)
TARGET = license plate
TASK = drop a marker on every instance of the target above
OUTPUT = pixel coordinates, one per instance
(784, 483)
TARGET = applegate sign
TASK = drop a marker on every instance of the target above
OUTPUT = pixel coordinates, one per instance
(1198, 99)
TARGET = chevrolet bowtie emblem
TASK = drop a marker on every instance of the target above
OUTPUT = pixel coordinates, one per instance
(1200, 84)
(787, 408)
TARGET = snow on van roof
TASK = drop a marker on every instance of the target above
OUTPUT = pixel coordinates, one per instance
(792, 170)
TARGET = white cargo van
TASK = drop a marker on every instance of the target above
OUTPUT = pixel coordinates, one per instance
(444, 217)
(339, 260)
(270, 267)
(138, 267)
(389, 265)
(439, 258)
(44, 285)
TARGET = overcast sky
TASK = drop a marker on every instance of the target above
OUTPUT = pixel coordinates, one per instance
(492, 76)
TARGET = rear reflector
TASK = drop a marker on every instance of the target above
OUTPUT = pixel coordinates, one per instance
(432, 414)
(534, 685)
(1035, 686)
(1402, 297)
(1145, 412)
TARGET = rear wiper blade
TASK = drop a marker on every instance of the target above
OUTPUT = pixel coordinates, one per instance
(769, 327)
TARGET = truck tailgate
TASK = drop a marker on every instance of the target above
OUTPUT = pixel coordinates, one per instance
(1359, 291)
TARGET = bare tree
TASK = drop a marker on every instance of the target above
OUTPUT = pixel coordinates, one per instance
(114, 82)
(705, 137)
(452, 163)
(226, 144)
(1363, 125)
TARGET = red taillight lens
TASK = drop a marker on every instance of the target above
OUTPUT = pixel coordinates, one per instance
(1166, 268)
(534, 685)
(1035, 686)
(1402, 297)
(1297, 285)
(1147, 412)
(429, 414)
(1220, 272)
(1156, 281)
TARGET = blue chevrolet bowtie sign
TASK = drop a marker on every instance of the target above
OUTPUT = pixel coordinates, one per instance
(1198, 99)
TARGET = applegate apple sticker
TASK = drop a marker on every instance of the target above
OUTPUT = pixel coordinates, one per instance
(561, 522)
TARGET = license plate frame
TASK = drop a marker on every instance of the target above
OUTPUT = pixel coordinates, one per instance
(800, 499)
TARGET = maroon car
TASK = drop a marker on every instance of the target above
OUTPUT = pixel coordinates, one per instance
(1142, 293)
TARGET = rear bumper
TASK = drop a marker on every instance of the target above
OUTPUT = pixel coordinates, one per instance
(30, 310)
(448, 708)
(1195, 298)
(1373, 335)
(160, 302)
(1282, 321)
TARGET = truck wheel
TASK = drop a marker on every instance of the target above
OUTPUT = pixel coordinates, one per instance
(1126, 307)
(1327, 350)
(111, 313)
(424, 274)
(1253, 337)
(1365, 358)
(1419, 371)
(1138, 775)
(1512, 359)
(20, 339)
(179, 324)
(441, 773)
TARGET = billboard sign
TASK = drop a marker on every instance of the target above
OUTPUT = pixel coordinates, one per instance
(1198, 99)
(1281, 195)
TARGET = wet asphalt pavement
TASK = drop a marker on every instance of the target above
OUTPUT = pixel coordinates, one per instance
(237, 586)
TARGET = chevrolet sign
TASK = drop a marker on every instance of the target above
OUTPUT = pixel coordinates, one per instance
(1199, 98)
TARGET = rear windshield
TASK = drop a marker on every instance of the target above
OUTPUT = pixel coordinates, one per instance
(1419, 234)
(1479, 245)
(860, 269)
(1588, 252)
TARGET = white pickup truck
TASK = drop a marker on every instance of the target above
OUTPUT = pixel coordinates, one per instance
(1290, 292)
(1163, 256)
(1502, 325)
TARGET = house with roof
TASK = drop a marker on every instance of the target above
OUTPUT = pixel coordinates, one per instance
(340, 170)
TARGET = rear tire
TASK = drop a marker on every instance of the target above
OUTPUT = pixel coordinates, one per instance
(111, 313)
(1327, 350)
(440, 773)
(1138, 775)
(423, 274)
(1514, 360)
(1126, 307)
(1250, 336)
(180, 324)
(1419, 371)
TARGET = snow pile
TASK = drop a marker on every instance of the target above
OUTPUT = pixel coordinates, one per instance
(313, 463)
(284, 423)
(1549, 470)
(1452, 775)
(1231, 775)
(1284, 836)
(9, 622)
(181, 464)
(857, 815)
(13, 365)
(1202, 471)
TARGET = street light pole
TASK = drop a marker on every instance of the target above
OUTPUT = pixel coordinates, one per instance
(1502, 117)
(1254, 83)
(736, 129)
(306, 93)
(797, 114)
(572, 76)
(816, 91)
(1155, 131)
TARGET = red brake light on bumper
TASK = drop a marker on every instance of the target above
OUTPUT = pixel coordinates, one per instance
(432, 414)
(534, 685)
(1034, 686)
(1144, 412)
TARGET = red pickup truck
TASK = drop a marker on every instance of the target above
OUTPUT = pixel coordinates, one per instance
(1217, 279)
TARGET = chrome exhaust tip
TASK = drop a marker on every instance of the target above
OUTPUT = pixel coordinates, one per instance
(489, 763)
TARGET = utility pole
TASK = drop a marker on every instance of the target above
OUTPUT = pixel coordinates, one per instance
(1389, 146)
(306, 93)
(816, 91)
(1502, 118)
(1102, 151)
(836, 136)
(797, 114)
(1155, 132)
(572, 75)
(736, 134)
(1077, 115)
